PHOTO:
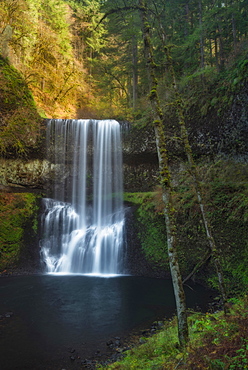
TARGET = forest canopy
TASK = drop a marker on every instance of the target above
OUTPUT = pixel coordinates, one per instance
(86, 57)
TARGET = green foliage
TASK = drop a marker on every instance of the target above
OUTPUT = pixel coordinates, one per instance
(220, 339)
(20, 122)
(227, 195)
(216, 342)
(137, 198)
(72, 56)
(206, 38)
(54, 14)
(151, 228)
(230, 82)
(240, 360)
(16, 211)
(225, 190)
(215, 96)
(158, 351)
(42, 50)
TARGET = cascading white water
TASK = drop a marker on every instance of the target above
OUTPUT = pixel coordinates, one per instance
(83, 219)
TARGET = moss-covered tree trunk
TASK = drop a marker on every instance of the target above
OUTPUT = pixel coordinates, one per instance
(213, 250)
(169, 211)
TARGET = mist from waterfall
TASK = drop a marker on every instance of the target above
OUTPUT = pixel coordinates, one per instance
(83, 218)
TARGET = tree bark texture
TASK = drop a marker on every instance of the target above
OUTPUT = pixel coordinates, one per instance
(135, 70)
(201, 36)
(169, 211)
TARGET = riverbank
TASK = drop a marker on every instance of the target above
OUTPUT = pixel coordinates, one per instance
(217, 341)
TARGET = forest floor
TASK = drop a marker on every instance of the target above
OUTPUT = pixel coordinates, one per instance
(217, 342)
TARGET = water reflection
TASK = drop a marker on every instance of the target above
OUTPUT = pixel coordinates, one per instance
(54, 313)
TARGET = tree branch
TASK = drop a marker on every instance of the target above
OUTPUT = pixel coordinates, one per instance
(117, 10)
(198, 265)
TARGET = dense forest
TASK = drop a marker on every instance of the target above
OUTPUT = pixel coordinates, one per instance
(103, 59)
(88, 55)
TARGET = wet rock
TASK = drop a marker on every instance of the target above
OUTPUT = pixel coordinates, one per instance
(126, 348)
(115, 357)
(20, 173)
(120, 350)
(142, 340)
(8, 314)
(88, 364)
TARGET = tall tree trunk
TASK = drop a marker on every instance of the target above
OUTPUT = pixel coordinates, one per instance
(234, 32)
(186, 24)
(216, 52)
(211, 50)
(165, 177)
(135, 70)
(201, 36)
(221, 47)
(234, 29)
(194, 173)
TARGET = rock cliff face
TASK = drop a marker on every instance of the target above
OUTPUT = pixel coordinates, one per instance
(24, 174)
(140, 165)
(222, 132)
(225, 136)
(211, 134)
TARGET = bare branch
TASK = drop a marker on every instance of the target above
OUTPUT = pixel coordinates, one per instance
(117, 10)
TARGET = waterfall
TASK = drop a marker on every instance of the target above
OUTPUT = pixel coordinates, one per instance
(83, 218)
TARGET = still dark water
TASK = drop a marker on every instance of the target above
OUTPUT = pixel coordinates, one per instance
(51, 316)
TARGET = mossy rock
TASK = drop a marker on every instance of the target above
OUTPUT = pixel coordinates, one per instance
(20, 123)
(18, 221)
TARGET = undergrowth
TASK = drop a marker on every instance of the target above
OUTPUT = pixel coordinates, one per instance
(16, 213)
(217, 342)
(225, 193)
(151, 227)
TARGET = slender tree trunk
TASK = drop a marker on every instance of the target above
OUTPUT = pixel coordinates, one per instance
(216, 52)
(186, 25)
(165, 177)
(221, 47)
(194, 173)
(234, 32)
(234, 29)
(201, 36)
(135, 69)
(211, 51)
